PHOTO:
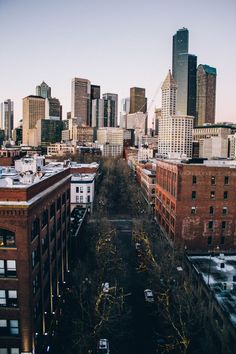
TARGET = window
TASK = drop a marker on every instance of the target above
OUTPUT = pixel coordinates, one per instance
(88, 189)
(211, 210)
(9, 351)
(9, 327)
(209, 240)
(212, 194)
(226, 180)
(210, 224)
(7, 238)
(224, 210)
(35, 228)
(58, 203)
(68, 194)
(52, 210)
(77, 189)
(193, 210)
(44, 218)
(63, 198)
(225, 195)
(34, 257)
(223, 224)
(194, 179)
(222, 240)
(81, 189)
(194, 194)
(213, 180)
(81, 199)
(88, 198)
(7, 268)
(8, 298)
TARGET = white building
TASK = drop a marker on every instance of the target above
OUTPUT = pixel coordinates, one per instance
(60, 149)
(82, 190)
(145, 154)
(175, 132)
(33, 164)
(214, 147)
(113, 136)
(111, 150)
(232, 145)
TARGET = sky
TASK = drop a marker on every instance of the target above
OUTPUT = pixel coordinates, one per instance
(116, 44)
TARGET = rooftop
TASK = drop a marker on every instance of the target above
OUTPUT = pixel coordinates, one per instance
(219, 273)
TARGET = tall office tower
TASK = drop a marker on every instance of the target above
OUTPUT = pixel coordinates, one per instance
(80, 100)
(43, 90)
(184, 73)
(95, 94)
(206, 94)
(52, 108)
(112, 97)
(103, 113)
(138, 101)
(7, 118)
(33, 109)
(125, 108)
(169, 89)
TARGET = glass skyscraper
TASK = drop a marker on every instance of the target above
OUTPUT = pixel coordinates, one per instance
(184, 72)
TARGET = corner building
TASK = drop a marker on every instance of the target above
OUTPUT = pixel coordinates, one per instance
(196, 204)
(34, 246)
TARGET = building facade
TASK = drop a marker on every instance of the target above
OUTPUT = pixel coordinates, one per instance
(7, 118)
(80, 100)
(43, 90)
(195, 203)
(33, 110)
(34, 251)
(206, 94)
(138, 101)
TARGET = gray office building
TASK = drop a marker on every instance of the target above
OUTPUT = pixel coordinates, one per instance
(184, 72)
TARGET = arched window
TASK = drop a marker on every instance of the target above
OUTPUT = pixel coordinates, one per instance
(7, 238)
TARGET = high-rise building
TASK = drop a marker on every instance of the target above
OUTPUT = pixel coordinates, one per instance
(174, 131)
(138, 101)
(7, 118)
(113, 98)
(103, 113)
(52, 108)
(184, 73)
(43, 90)
(169, 89)
(95, 94)
(206, 94)
(80, 102)
(33, 109)
(125, 108)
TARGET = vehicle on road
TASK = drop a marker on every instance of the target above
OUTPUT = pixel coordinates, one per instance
(103, 346)
(148, 294)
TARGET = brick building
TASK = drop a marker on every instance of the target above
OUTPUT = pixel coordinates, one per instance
(196, 203)
(34, 246)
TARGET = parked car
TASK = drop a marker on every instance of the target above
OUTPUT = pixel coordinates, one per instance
(148, 294)
(105, 287)
(103, 346)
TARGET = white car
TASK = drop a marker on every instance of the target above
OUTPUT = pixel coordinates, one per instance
(103, 346)
(105, 287)
(148, 294)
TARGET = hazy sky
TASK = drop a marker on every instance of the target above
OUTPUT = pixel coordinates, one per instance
(116, 44)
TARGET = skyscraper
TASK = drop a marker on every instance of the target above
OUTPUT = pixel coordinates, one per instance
(7, 118)
(33, 109)
(206, 94)
(113, 98)
(103, 113)
(169, 89)
(184, 73)
(80, 100)
(95, 94)
(138, 101)
(43, 90)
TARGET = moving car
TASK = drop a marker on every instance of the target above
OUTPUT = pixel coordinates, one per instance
(103, 346)
(148, 294)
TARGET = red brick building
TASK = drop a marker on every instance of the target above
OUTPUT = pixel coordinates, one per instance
(34, 246)
(196, 203)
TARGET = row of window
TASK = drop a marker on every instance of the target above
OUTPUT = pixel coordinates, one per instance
(212, 195)
(7, 268)
(8, 298)
(80, 199)
(81, 189)
(213, 180)
(223, 224)
(211, 210)
(9, 327)
(9, 351)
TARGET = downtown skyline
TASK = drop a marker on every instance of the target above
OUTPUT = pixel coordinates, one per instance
(132, 47)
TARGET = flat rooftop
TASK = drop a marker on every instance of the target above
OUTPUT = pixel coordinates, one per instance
(219, 273)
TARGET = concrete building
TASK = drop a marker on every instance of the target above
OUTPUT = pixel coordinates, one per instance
(111, 150)
(113, 136)
(82, 190)
(206, 94)
(195, 203)
(52, 109)
(82, 134)
(113, 99)
(184, 73)
(34, 255)
(214, 147)
(213, 278)
(95, 94)
(48, 131)
(7, 118)
(80, 103)
(138, 101)
(232, 146)
(33, 110)
(104, 113)
(60, 149)
(209, 130)
(125, 109)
